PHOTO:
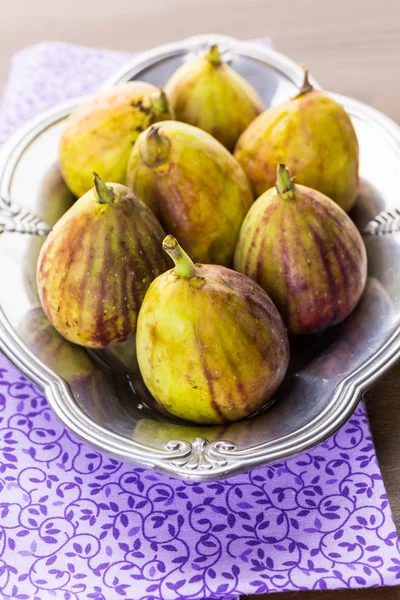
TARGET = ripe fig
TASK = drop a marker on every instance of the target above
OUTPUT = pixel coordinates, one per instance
(208, 93)
(96, 265)
(195, 187)
(305, 252)
(314, 136)
(211, 346)
(99, 134)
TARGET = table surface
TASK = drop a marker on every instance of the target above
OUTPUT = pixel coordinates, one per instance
(351, 46)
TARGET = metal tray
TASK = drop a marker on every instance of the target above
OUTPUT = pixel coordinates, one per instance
(103, 402)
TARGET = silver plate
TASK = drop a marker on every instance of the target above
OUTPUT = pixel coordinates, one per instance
(103, 402)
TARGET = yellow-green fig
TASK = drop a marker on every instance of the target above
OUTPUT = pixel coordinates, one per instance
(208, 93)
(99, 134)
(305, 252)
(194, 186)
(313, 135)
(211, 345)
(96, 265)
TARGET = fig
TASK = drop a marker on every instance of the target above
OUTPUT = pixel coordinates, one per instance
(99, 134)
(305, 252)
(194, 186)
(314, 136)
(208, 93)
(211, 345)
(96, 265)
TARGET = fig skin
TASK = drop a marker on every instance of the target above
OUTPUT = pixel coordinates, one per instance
(99, 134)
(313, 135)
(211, 346)
(194, 186)
(96, 265)
(208, 93)
(305, 252)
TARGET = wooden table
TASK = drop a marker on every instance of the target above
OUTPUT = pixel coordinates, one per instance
(351, 46)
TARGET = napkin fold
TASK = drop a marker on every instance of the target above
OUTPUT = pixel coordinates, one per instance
(76, 524)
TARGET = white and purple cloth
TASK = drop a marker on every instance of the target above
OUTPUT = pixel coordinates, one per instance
(76, 524)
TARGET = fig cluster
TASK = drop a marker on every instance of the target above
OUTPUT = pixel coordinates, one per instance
(208, 229)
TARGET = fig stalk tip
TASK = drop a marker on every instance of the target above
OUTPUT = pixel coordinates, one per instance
(159, 101)
(284, 183)
(306, 86)
(155, 148)
(213, 55)
(184, 266)
(105, 193)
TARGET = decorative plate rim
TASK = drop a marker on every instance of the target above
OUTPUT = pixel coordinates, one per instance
(199, 460)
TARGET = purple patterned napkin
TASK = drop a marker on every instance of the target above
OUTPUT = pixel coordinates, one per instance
(76, 524)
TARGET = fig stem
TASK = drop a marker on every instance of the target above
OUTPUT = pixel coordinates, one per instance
(306, 87)
(155, 148)
(105, 193)
(184, 266)
(284, 183)
(213, 55)
(159, 101)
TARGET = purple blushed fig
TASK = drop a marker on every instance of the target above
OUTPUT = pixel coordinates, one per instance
(313, 135)
(194, 186)
(96, 265)
(208, 93)
(305, 252)
(211, 346)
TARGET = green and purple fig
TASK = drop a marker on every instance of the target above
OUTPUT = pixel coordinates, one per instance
(96, 265)
(99, 134)
(305, 252)
(194, 186)
(211, 345)
(208, 93)
(313, 135)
